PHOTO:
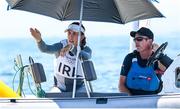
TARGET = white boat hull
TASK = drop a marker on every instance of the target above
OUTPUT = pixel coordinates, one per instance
(149, 101)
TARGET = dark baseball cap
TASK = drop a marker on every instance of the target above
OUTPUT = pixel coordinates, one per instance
(144, 32)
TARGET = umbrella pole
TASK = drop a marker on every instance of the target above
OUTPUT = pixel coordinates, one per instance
(77, 56)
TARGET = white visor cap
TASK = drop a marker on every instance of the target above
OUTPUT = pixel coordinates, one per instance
(74, 28)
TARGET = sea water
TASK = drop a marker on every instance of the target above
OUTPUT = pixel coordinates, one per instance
(107, 55)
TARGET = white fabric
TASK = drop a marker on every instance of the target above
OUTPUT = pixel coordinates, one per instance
(55, 90)
(65, 67)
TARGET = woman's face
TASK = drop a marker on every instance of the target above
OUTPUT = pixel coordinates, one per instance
(73, 37)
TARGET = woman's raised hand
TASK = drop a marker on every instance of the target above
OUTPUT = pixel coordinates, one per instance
(36, 34)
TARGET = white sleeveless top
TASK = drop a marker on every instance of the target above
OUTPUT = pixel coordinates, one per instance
(65, 68)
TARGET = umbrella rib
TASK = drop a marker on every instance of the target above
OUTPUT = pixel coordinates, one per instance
(120, 16)
(13, 3)
(66, 7)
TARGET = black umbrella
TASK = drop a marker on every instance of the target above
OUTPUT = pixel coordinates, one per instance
(116, 11)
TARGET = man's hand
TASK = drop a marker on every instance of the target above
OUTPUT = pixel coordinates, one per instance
(155, 46)
(36, 34)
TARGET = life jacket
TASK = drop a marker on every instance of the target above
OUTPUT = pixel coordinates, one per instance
(65, 70)
(142, 78)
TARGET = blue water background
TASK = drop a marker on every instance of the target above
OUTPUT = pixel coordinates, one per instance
(108, 55)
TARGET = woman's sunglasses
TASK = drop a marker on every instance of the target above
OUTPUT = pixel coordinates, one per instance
(139, 39)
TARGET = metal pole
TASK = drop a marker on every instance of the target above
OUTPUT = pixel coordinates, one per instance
(85, 82)
(78, 49)
(135, 27)
(21, 76)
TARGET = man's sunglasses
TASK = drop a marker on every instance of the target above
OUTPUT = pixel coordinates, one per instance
(139, 39)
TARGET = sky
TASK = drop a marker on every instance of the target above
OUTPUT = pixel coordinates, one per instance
(14, 23)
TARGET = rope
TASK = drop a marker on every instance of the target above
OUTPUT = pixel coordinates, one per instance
(22, 72)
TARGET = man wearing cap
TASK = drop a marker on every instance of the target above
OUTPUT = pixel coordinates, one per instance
(136, 78)
(65, 53)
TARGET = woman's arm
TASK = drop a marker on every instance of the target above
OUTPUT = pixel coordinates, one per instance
(53, 49)
(85, 54)
(49, 48)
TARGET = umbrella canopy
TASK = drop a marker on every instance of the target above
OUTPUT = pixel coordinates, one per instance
(115, 11)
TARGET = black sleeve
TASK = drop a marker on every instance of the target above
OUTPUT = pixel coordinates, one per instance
(126, 64)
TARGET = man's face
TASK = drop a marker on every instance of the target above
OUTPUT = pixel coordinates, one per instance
(142, 42)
